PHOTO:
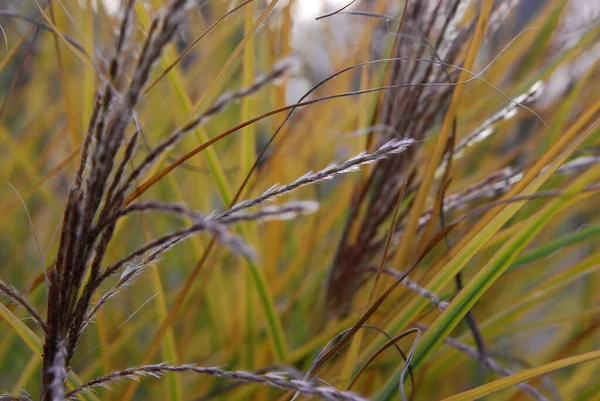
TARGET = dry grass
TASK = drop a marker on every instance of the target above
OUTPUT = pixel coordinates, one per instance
(174, 207)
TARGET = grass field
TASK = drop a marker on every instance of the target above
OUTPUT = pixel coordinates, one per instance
(278, 200)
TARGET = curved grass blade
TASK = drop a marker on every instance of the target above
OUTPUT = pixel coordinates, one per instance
(520, 377)
(501, 260)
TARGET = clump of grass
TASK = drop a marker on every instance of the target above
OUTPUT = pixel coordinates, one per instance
(464, 158)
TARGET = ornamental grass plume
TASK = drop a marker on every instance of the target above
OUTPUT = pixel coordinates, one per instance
(260, 200)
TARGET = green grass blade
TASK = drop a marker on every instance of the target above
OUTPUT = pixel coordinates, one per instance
(35, 344)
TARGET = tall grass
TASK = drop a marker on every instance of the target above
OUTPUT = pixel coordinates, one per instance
(227, 200)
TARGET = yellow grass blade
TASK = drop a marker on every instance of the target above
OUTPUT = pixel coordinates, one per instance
(523, 376)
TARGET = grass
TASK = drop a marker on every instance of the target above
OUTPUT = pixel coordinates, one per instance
(184, 219)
